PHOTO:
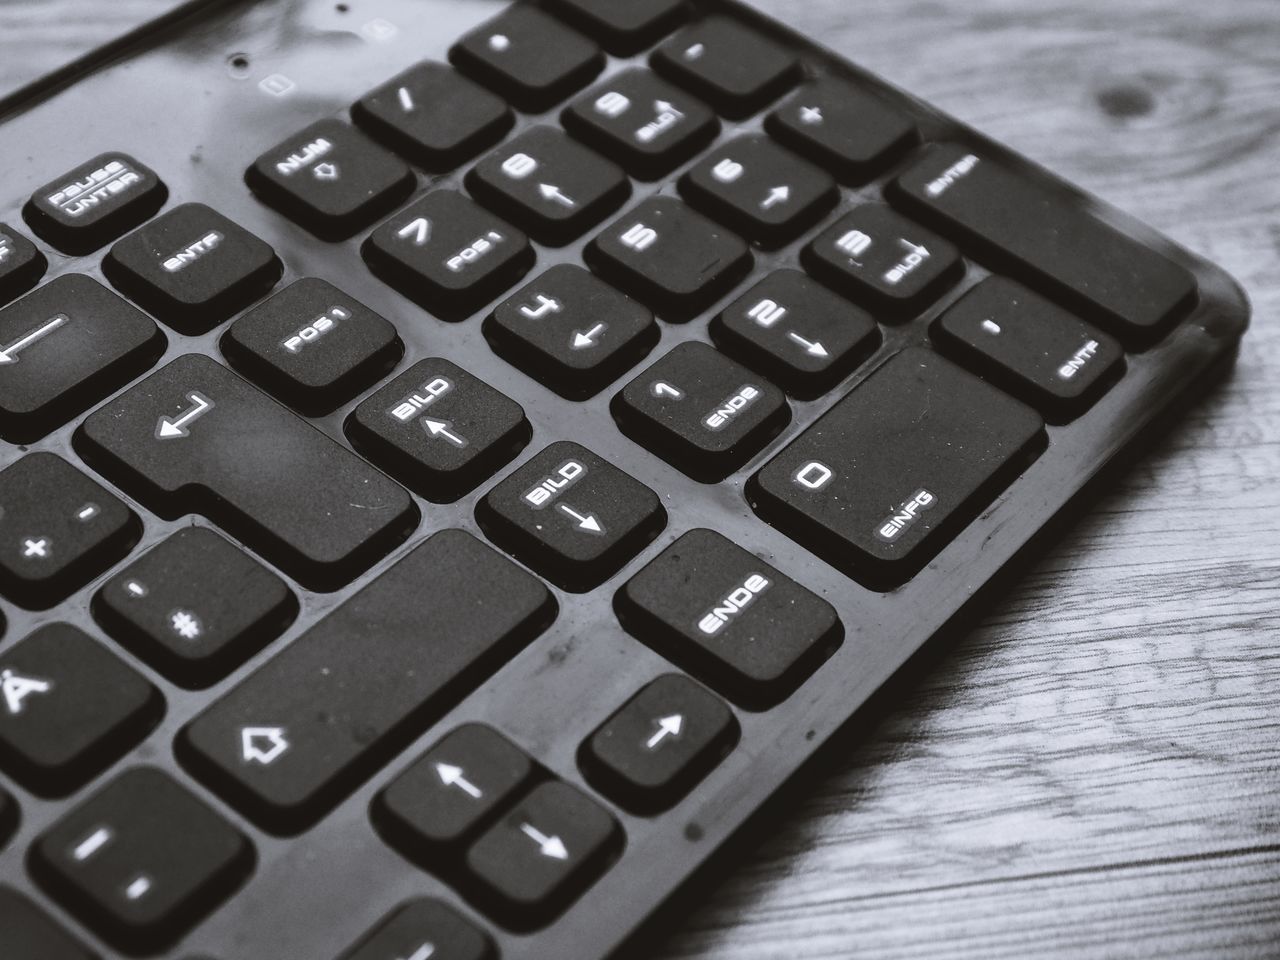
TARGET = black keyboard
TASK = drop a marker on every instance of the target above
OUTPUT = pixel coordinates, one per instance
(458, 461)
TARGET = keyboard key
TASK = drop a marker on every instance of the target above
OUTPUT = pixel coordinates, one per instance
(93, 204)
(58, 530)
(729, 618)
(195, 606)
(673, 259)
(1034, 349)
(731, 66)
(65, 347)
(313, 346)
(434, 116)
(654, 750)
(439, 430)
(549, 185)
(701, 412)
(69, 709)
(624, 27)
(330, 179)
(571, 331)
(423, 929)
(21, 264)
(192, 267)
(571, 516)
(453, 790)
(797, 333)
(8, 817)
(305, 729)
(851, 132)
(142, 860)
(1040, 236)
(195, 438)
(885, 478)
(762, 191)
(448, 255)
(884, 261)
(528, 57)
(31, 934)
(642, 122)
(540, 856)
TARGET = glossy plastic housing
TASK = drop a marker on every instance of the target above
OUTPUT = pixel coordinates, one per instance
(183, 104)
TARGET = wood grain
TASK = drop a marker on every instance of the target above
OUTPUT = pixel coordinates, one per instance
(1095, 770)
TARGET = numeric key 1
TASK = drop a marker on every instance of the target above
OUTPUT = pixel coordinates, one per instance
(142, 860)
(701, 412)
(571, 516)
(731, 619)
(439, 429)
(94, 203)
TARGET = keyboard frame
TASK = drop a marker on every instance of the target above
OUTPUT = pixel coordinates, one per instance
(551, 696)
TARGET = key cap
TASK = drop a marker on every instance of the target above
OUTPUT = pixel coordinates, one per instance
(94, 203)
(304, 730)
(58, 530)
(195, 607)
(540, 857)
(663, 741)
(760, 190)
(192, 267)
(434, 116)
(423, 930)
(451, 792)
(439, 429)
(671, 258)
(731, 66)
(797, 333)
(31, 934)
(330, 179)
(65, 347)
(1034, 349)
(885, 478)
(701, 412)
(571, 516)
(528, 57)
(642, 122)
(69, 709)
(846, 129)
(1042, 237)
(21, 264)
(313, 346)
(884, 261)
(730, 619)
(195, 438)
(8, 817)
(572, 332)
(142, 860)
(448, 255)
(549, 185)
(625, 27)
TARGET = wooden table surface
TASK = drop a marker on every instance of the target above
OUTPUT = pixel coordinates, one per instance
(1095, 770)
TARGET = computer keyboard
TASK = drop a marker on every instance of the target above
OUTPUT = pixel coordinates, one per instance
(458, 461)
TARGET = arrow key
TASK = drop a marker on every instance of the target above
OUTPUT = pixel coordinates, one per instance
(540, 856)
(572, 516)
(663, 741)
(451, 791)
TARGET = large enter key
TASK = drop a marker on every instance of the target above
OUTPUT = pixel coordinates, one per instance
(309, 726)
(880, 482)
(195, 438)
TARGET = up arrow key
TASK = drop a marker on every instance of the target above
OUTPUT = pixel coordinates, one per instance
(667, 727)
(454, 776)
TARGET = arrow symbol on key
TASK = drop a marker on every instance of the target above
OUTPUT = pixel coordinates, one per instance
(555, 195)
(776, 196)
(587, 523)
(424, 952)
(169, 428)
(667, 727)
(811, 347)
(452, 776)
(10, 353)
(581, 341)
(552, 847)
(440, 428)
